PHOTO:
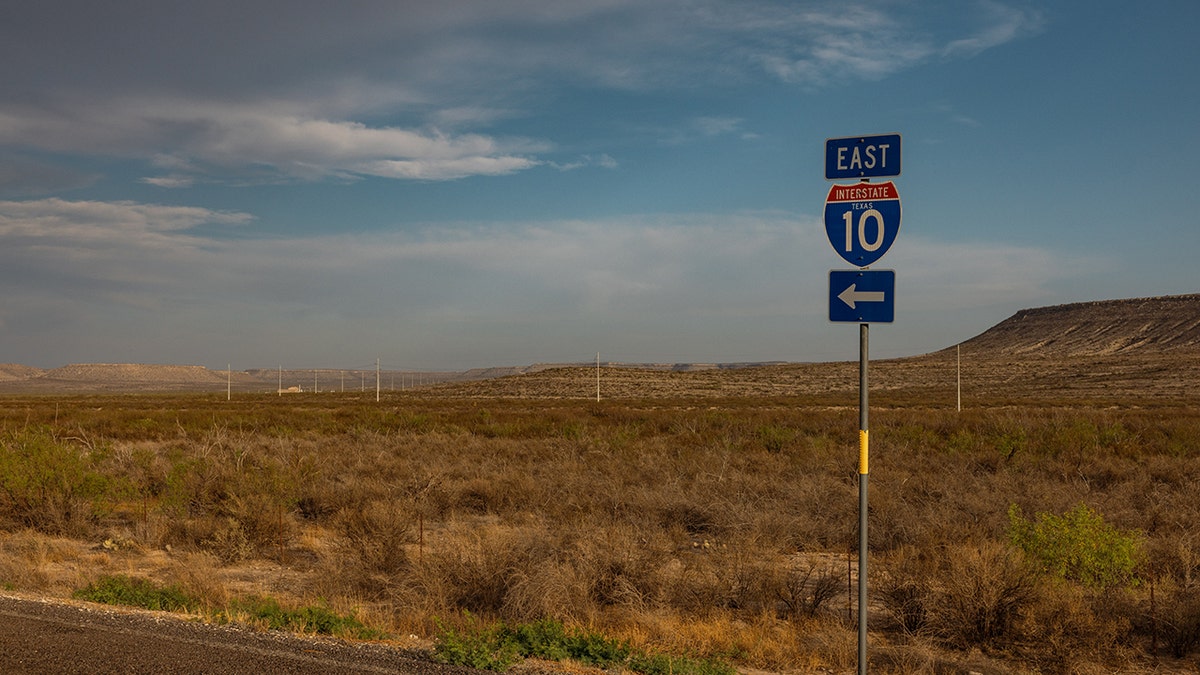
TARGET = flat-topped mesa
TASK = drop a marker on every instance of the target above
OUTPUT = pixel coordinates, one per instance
(1145, 325)
(132, 372)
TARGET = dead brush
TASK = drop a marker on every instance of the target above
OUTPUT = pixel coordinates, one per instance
(660, 521)
(1176, 619)
(967, 595)
(804, 588)
(372, 543)
(472, 567)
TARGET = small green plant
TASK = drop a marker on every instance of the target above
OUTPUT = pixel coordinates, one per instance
(479, 647)
(1077, 545)
(134, 592)
(775, 438)
(498, 646)
(316, 619)
(545, 639)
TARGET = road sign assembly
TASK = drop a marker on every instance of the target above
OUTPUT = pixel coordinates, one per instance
(862, 221)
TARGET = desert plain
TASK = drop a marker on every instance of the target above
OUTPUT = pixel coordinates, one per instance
(1034, 498)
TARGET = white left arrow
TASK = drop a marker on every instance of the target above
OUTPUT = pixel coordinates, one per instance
(851, 296)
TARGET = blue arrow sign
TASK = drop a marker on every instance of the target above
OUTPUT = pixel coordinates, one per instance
(862, 296)
(862, 157)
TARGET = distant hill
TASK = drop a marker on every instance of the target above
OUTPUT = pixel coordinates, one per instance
(119, 377)
(1106, 327)
(13, 371)
(132, 373)
(1112, 350)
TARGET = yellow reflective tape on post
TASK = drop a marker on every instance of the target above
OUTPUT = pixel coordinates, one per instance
(862, 451)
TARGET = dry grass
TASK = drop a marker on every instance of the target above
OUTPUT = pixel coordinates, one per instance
(714, 527)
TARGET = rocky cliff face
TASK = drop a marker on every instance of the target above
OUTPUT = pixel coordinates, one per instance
(1107, 327)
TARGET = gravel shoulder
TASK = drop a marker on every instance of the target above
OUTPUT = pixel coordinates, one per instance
(44, 636)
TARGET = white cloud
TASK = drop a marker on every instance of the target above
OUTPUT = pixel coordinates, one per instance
(251, 136)
(443, 169)
(170, 181)
(851, 41)
(602, 160)
(462, 65)
(50, 219)
(1004, 24)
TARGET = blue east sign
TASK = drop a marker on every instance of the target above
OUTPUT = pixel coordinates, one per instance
(862, 157)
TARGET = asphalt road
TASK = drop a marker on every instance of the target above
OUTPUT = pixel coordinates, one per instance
(46, 637)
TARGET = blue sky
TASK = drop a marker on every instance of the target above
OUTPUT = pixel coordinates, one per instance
(446, 185)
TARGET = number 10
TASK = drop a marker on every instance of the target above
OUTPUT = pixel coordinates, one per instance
(862, 230)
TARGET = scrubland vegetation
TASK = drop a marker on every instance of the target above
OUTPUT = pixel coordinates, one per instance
(1031, 537)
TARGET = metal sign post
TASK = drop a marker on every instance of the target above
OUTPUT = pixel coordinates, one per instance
(862, 221)
(863, 447)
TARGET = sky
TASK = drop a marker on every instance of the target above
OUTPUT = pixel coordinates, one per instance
(472, 183)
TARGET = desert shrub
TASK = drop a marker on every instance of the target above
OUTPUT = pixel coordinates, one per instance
(804, 589)
(985, 589)
(1070, 626)
(662, 521)
(53, 486)
(228, 540)
(234, 500)
(238, 527)
(721, 578)
(1175, 557)
(906, 587)
(775, 438)
(474, 569)
(193, 484)
(616, 570)
(371, 544)
(1179, 620)
(966, 595)
(1079, 545)
(261, 516)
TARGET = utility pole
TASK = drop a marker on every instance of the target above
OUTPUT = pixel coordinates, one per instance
(597, 377)
(958, 353)
(376, 380)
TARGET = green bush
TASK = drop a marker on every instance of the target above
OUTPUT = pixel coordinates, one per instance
(498, 647)
(479, 647)
(52, 486)
(133, 592)
(316, 619)
(1077, 545)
